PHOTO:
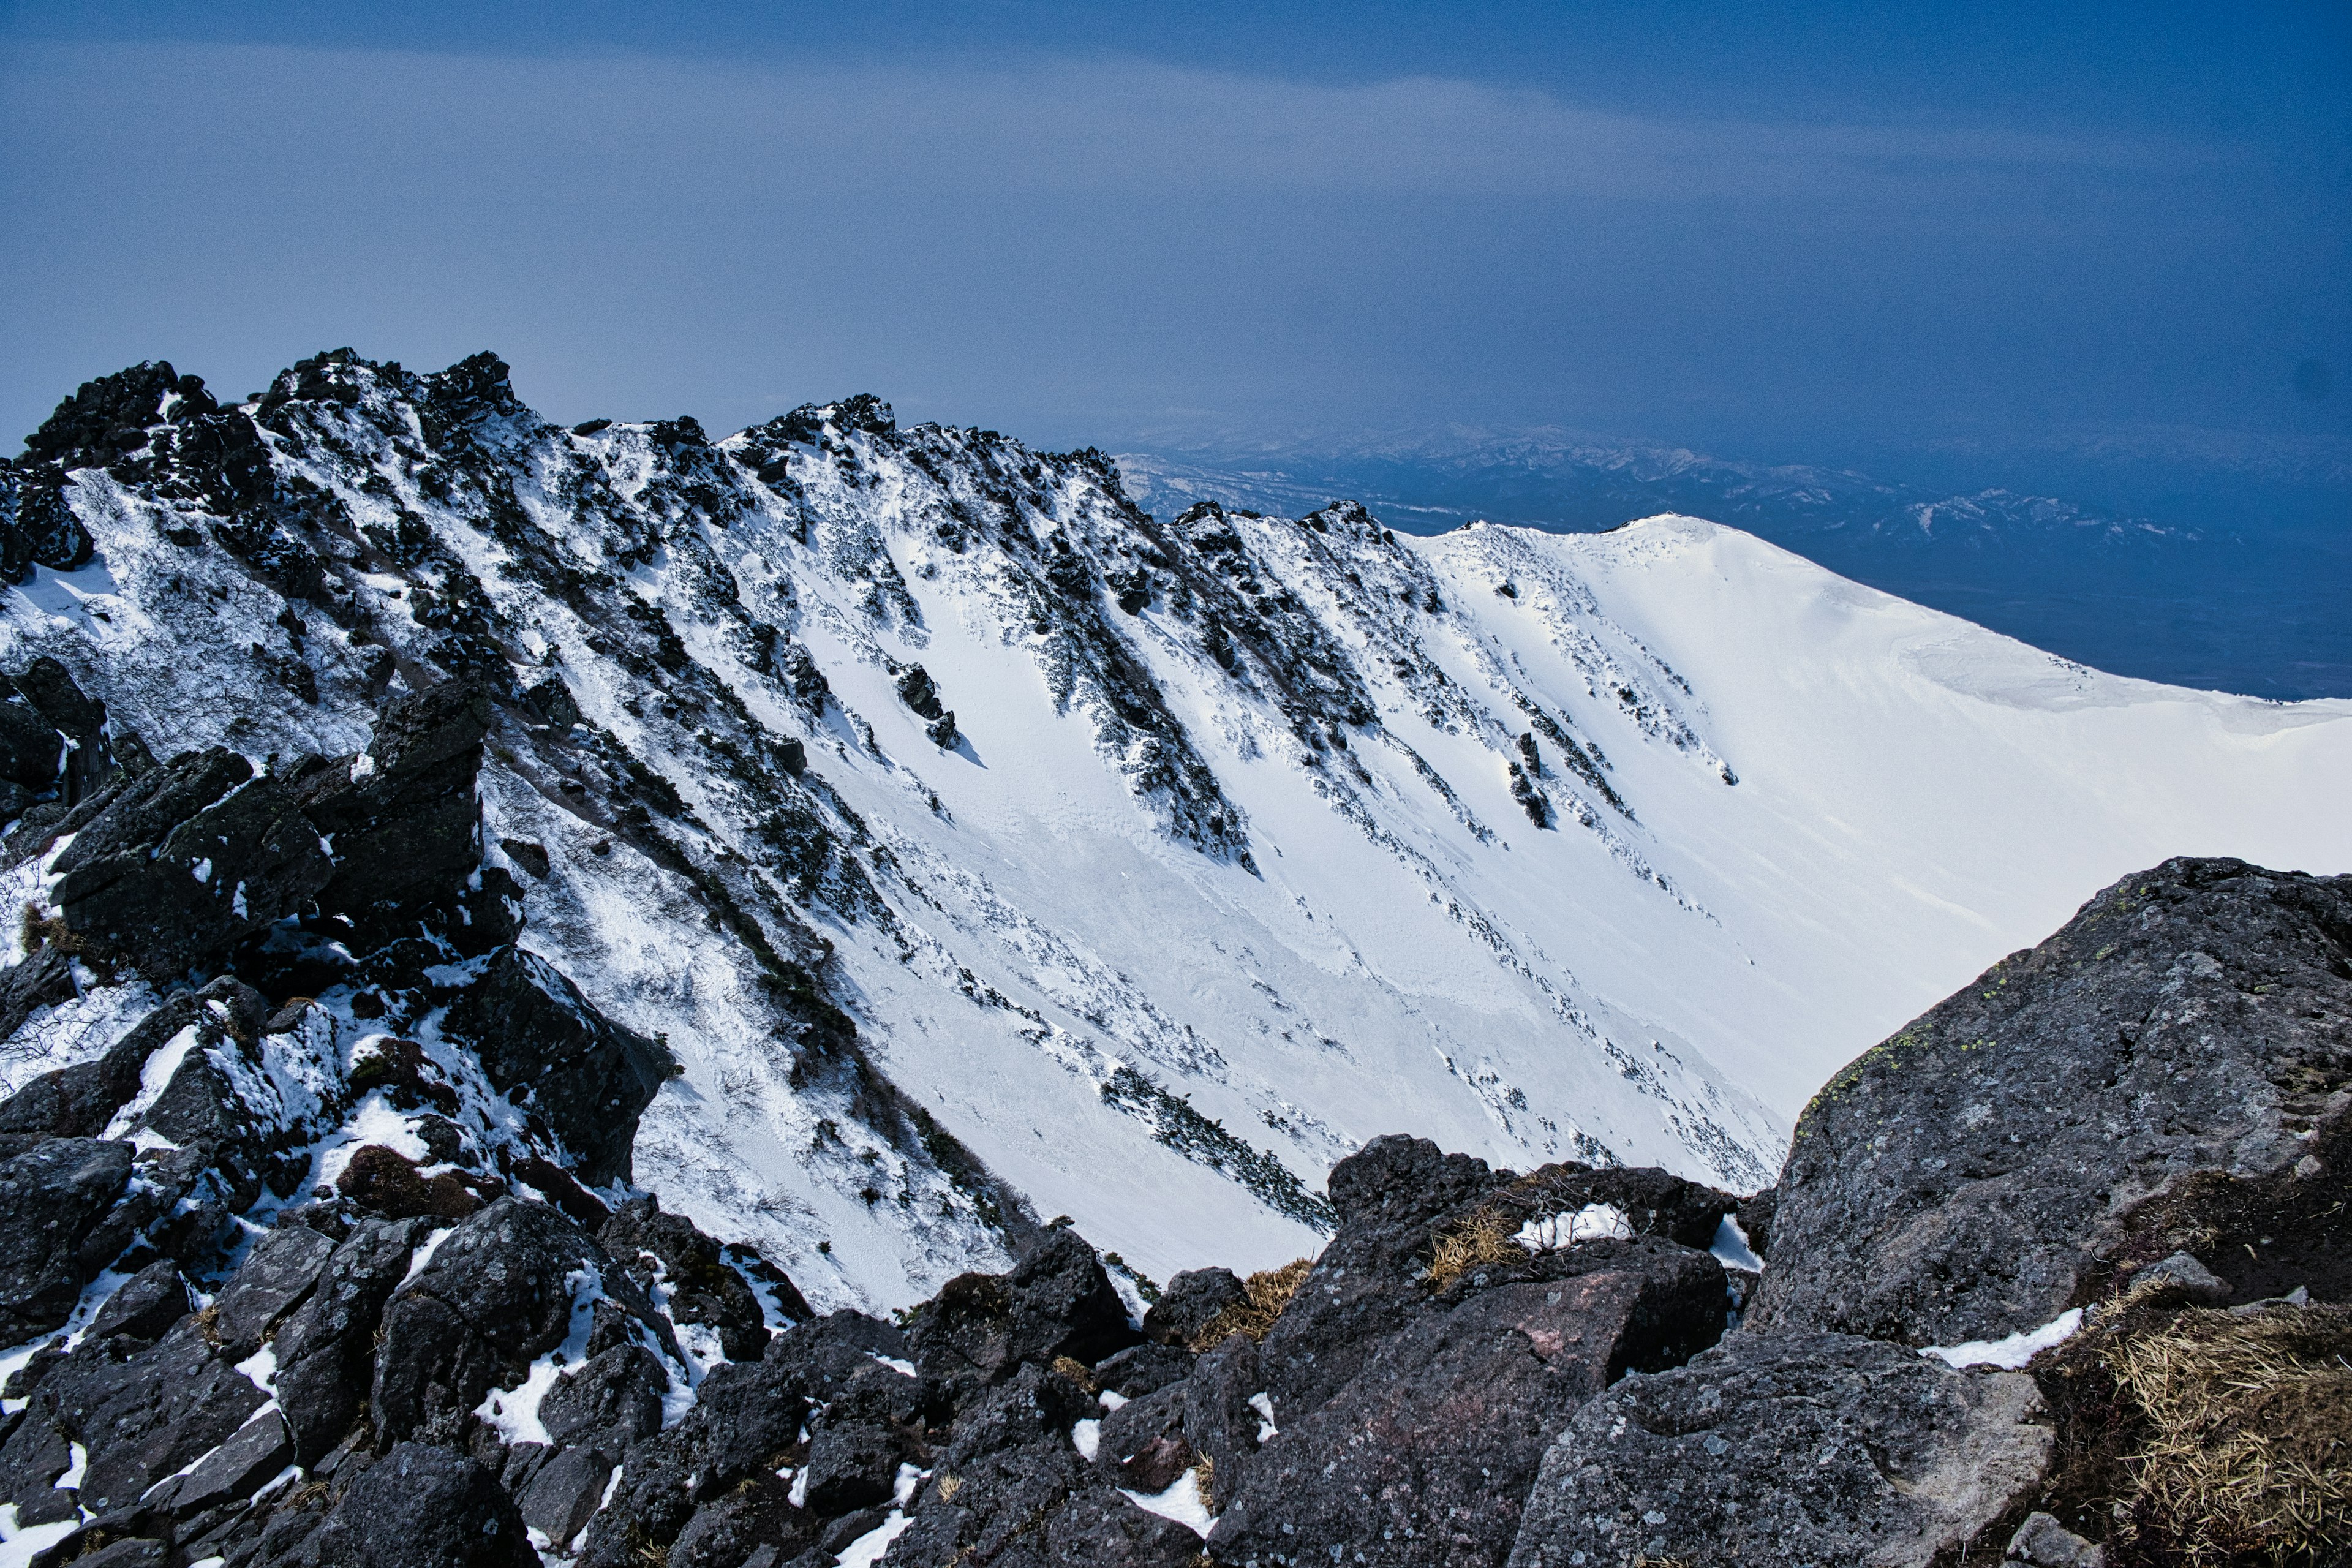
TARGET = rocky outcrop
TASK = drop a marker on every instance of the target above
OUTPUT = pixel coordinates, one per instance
(2171, 1071)
(1797, 1448)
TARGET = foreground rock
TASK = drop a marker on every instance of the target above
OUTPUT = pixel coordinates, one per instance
(1792, 1448)
(2172, 1072)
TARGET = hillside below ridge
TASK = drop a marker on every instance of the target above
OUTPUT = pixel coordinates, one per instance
(972, 838)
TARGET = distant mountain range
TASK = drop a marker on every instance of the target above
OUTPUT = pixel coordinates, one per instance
(2228, 606)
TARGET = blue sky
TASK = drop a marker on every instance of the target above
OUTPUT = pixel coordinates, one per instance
(1796, 232)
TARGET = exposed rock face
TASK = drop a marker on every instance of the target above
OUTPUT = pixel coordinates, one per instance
(2172, 1071)
(1795, 1447)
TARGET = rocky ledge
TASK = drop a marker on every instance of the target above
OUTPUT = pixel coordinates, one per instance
(325, 1253)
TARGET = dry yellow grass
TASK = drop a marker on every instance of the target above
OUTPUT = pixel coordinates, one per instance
(2250, 1458)
(1483, 1239)
(1265, 1295)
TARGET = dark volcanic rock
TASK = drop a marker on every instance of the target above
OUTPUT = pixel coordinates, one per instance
(1390, 1197)
(702, 1287)
(1037, 1507)
(607, 1404)
(1797, 1448)
(274, 1279)
(30, 747)
(143, 1415)
(542, 1043)
(147, 1305)
(325, 1347)
(1424, 1457)
(2170, 1072)
(422, 1506)
(177, 869)
(51, 1199)
(403, 815)
(1189, 1302)
(497, 1293)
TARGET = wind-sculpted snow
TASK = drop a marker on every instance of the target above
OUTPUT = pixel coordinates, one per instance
(975, 840)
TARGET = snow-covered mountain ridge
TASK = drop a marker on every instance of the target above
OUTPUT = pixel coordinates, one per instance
(906, 781)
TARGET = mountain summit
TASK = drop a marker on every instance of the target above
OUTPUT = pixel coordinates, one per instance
(981, 849)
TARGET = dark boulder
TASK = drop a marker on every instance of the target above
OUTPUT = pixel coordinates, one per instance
(607, 1403)
(499, 1292)
(404, 815)
(756, 1515)
(541, 1043)
(1030, 1407)
(1793, 1447)
(1037, 1507)
(1142, 1369)
(141, 1416)
(177, 869)
(421, 1507)
(324, 1348)
(274, 1278)
(2170, 1072)
(146, 1306)
(52, 1198)
(1189, 1303)
(1392, 1197)
(703, 1287)
(1425, 1455)
(1063, 1303)
(30, 748)
(563, 1494)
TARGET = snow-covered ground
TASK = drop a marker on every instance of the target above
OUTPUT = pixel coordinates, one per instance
(1215, 884)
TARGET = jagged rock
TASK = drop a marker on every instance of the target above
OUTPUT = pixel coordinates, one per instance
(2149, 1080)
(325, 1347)
(1056, 1301)
(609, 1402)
(422, 1506)
(51, 1199)
(1188, 1303)
(1463, 1402)
(563, 1494)
(1031, 1407)
(496, 1294)
(1032, 1508)
(1063, 1303)
(756, 1515)
(1791, 1447)
(702, 1287)
(177, 869)
(402, 814)
(541, 1043)
(1143, 1441)
(1390, 1195)
(273, 1280)
(1142, 1369)
(30, 748)
(141, 1416)
(146, 1306)
(254, 1453)
(851, 1463)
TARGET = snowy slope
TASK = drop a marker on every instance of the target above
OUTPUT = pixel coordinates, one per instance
(1231, 859)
